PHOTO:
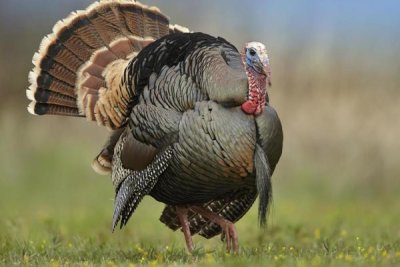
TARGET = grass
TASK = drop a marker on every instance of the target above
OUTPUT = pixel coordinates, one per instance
(305, 232)
(56, 211)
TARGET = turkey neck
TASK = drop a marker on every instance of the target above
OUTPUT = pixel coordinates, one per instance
(258, 96)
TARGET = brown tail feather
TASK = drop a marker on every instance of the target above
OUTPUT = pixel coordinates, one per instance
(51, 97)
(44, 108)
(78, 67)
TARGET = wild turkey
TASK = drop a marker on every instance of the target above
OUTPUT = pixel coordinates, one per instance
(190, 116)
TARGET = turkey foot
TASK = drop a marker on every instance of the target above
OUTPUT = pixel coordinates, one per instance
(183, 218)
(228, 228)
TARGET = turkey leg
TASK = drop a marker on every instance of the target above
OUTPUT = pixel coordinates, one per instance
(183, 218)
(228, 228)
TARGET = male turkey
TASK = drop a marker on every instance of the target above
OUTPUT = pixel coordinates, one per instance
(190, 116)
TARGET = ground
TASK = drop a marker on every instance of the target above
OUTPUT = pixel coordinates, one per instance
(56, 211)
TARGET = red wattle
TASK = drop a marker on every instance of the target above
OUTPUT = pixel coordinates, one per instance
(249, 107)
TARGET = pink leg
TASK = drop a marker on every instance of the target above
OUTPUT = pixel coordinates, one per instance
(182, 216)
(228, 228)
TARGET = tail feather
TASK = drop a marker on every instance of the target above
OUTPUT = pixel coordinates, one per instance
(44, 108)
(79, 65)
(57, 70)
(68, 40)
(50, 97)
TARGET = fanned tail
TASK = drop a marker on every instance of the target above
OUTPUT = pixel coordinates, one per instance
(78, 68)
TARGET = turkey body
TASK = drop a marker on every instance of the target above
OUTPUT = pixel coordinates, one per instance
(190, 116)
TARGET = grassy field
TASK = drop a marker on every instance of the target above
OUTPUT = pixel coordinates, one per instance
(56, 211)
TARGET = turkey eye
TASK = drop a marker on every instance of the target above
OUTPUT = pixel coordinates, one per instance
(252, 52)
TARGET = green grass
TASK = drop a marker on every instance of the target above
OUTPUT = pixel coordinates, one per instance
(56, 211)
(302, 233)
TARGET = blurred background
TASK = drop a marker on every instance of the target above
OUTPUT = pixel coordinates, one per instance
(336, 81)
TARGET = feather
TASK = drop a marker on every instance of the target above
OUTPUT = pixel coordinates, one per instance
(134, 185)
(263, 182)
